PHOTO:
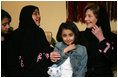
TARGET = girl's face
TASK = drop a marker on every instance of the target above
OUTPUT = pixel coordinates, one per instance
(36, 17)
(68, 36)
(90, 19)
(5, 25)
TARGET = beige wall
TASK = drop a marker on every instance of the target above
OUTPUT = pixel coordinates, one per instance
(53, 13)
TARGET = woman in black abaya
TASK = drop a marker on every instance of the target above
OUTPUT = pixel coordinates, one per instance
(28, 49)
(100, 42)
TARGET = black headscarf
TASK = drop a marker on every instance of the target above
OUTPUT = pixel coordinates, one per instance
(28, 41)
(103, 21)
(26, 20)
(30, 31)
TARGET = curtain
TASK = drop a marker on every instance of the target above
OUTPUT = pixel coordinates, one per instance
(75, 10)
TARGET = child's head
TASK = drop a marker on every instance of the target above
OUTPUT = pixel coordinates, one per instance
(68, 33)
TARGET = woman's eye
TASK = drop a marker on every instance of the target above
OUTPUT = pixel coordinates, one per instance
(89, 16)
(36, 13)
(4, 24)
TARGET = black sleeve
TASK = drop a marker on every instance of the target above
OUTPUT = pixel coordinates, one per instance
(12, 61)
(46, 45)
(109, 49)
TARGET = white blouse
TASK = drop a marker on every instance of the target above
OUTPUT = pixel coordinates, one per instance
(66, 68)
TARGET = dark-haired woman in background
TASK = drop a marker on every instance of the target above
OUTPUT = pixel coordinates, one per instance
(28, 49)
(5, 34)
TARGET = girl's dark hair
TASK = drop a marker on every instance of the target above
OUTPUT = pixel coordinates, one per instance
(5, 14)
(71, 26)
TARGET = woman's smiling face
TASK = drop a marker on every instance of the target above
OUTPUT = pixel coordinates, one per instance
(90, 19)
(36, 17)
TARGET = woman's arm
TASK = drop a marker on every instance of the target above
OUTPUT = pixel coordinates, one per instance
(109, 49)
(107, 46)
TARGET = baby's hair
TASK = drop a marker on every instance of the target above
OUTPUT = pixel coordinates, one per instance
(71, 26)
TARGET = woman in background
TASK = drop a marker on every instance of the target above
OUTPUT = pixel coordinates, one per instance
(5, 34)
(28, 49)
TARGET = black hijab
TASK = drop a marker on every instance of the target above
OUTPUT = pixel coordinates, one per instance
(103, 22)
(28, 41)
(26, 20)
(30, 31)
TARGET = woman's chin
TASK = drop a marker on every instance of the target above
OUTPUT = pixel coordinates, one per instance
(89, 27)
(38, 24)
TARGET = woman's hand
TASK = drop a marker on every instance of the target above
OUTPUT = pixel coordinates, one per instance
(54, 56)
(97, 31)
